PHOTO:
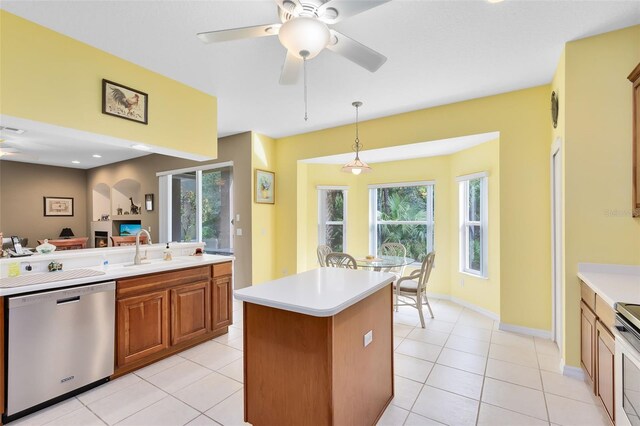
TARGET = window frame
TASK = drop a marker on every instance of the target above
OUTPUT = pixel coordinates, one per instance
(165, 195)
(322, 222)
(429, 222)
(464, 224)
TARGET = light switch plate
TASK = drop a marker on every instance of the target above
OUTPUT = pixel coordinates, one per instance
(368, 338)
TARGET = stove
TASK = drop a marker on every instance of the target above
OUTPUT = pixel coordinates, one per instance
(627, 382)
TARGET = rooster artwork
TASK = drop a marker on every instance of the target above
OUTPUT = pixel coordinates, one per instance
(124, 102)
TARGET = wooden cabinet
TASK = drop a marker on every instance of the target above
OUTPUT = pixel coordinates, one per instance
(605, 368)
(162, 314)
(190, 311)
(634, 77)
(221, 296)
(143, 326)
(597, 346)
(587, 338)
(222, 304)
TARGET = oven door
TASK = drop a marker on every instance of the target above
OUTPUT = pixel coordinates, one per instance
(627, 378)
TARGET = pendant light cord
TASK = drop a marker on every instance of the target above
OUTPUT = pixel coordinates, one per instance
(357, 141)
(304, 65)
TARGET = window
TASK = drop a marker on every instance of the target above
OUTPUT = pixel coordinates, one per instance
(196, 205)
(402, 213)
(332, 217)
(473, 224)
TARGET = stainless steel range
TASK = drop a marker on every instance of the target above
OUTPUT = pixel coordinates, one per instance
(628, 364)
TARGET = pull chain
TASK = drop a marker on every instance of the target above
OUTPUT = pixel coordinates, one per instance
(304, 59)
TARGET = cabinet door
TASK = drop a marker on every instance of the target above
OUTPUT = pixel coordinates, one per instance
(142, 326)
(587, 340)
(222, 310)
(190, 311)
(605, 362)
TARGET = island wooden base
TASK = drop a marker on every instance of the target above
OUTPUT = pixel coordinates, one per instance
(306, 370)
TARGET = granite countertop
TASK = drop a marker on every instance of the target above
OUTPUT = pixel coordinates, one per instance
(322, 292)
(613, 283)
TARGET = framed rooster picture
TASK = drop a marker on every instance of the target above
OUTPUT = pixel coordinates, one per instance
(124, 102)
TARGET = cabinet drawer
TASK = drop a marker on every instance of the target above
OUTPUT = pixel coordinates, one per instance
(605, 313)
(160, 281)
(221, 269)
(588, 295)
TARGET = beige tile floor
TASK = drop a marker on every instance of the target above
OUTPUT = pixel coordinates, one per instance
(460, 370)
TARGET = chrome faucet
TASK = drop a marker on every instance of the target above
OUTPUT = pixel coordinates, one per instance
(137, 260)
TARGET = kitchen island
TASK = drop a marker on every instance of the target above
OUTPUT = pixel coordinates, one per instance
(318, 348)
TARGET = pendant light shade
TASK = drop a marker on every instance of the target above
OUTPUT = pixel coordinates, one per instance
(357, 166)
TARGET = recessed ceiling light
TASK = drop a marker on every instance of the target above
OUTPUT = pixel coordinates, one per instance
(97, 156)
(12, 129)
(495, 1)
(140, 147)
(75, 162)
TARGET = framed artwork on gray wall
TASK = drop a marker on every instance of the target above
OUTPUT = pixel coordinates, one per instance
(58, 206)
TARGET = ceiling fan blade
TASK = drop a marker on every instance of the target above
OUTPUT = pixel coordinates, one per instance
(290, 6)
(356, 52)
(291, 69)
(239, 33)
(336, 10)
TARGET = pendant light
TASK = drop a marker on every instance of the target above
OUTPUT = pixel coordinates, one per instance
(356, 166)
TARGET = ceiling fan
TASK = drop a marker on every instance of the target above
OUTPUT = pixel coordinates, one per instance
(305, 32)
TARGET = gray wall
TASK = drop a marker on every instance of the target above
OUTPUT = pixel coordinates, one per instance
(235, 148)
(22, 188)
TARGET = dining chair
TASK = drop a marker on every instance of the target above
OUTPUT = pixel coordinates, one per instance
(323, 251)
(414, 287)
(397, 250)
(341, 260)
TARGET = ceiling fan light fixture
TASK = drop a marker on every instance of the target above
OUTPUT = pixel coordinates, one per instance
(356, 166)
(304, 34)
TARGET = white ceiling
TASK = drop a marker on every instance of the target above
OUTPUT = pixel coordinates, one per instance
(410, 151)
(438, 52)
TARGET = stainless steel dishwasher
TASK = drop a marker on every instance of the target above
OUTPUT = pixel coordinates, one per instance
(58, 342)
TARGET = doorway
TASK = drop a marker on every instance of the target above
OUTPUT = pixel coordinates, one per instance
(556, 240)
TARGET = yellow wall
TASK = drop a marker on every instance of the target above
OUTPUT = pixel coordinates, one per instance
(48, 77)
(421, 169)
(598, 131)
(522, 118)
(482, 292)
(263, 217)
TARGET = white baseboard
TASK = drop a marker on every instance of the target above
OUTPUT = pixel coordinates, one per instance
(535, 332)
(466, 304)
(569, 371)
(543, 334)
(475, 308)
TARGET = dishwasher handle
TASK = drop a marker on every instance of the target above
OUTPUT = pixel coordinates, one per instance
(68, 300)
(60, 297)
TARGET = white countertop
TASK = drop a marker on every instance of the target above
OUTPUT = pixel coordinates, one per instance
(113, 271)
(614, 283)
(322, 292)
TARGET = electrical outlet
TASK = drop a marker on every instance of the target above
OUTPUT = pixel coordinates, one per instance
(461, 282)
(368, 338)
(239, 232)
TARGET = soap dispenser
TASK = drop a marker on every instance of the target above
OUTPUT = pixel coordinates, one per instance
(167, 253)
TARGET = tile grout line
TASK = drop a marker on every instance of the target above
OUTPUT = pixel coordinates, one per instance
(484, 378)
(544, 394)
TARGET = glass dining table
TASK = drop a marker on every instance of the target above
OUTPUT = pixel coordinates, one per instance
(383, 262)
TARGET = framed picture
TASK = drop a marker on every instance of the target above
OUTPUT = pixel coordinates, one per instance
(124, 102)
(58, 206)
(265, 187)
